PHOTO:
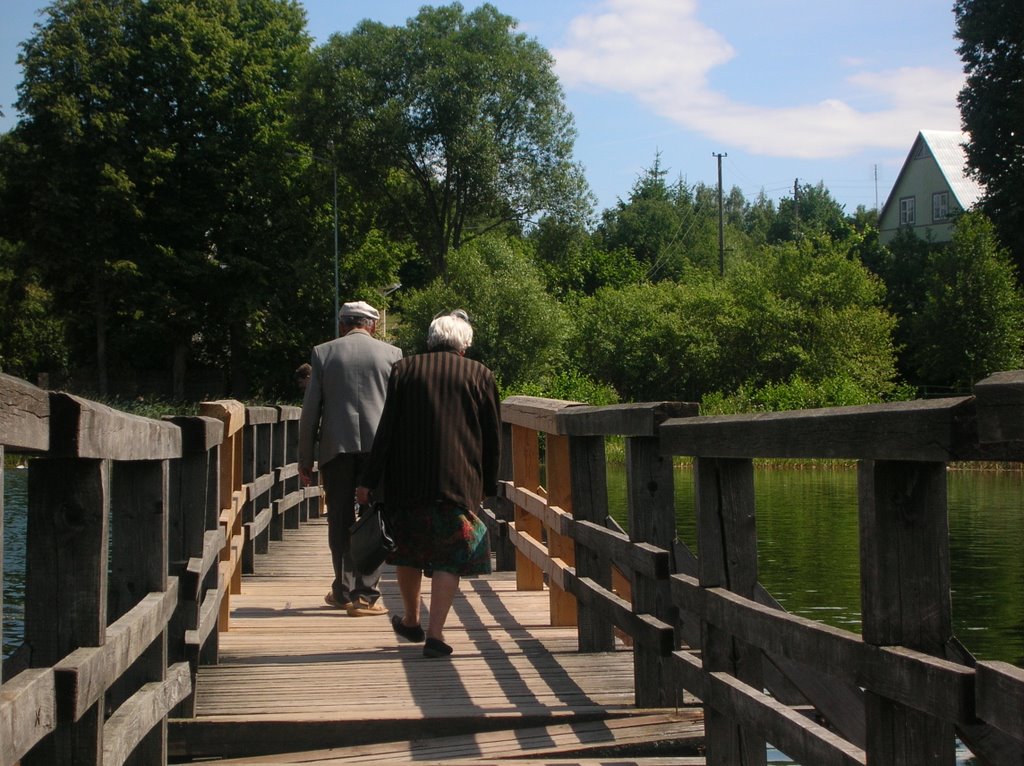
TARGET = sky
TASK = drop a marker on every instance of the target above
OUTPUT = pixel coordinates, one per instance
(787, 90)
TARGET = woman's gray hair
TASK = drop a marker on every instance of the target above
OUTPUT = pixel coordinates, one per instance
(450, 332)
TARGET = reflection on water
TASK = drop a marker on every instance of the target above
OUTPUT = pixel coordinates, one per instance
(808, 548)
(15, 483)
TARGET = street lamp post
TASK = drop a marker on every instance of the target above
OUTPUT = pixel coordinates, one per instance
(337, 319)
(384, 293)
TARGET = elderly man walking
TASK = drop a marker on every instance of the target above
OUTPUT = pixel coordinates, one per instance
(341, 408)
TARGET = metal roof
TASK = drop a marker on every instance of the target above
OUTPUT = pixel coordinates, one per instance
(946, 146)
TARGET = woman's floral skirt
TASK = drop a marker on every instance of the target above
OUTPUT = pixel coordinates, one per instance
(442, 537)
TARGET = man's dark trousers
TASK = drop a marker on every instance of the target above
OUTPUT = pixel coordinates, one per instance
(340, 475)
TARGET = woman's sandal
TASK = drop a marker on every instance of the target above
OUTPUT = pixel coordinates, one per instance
(412, 633)
(435, 648)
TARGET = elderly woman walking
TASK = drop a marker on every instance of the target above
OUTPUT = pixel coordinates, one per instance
(437, 449)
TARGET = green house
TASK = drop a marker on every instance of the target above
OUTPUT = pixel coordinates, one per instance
(931, 188)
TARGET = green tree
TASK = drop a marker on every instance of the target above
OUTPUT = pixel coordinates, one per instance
(70, 195)
(154, 179)
(454, 123)
(519, 329)
(660, 341)
(902, 266)
(991, 34)
(31, 333)
(804, 309)
(809, 308)
(811, 211)
(664, 226)
(971, 321)
(573, 262)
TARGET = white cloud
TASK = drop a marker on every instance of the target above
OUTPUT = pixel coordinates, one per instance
(661, 54)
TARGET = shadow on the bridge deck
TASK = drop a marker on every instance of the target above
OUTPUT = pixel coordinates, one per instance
(297, 675)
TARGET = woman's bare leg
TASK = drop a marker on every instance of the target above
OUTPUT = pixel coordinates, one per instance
(410, 582)
(444, 586)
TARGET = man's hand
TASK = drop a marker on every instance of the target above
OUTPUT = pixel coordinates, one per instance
(305, 476)
(362, 495)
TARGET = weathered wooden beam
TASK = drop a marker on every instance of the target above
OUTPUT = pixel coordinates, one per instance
(644, 558)
(289, 412)
(789, 730)
(1000, 405)
(534, 412)
(24, 415)
(84, 675)
(640, 419)
(620, 612)
(198, 434)
(28, 712)
(535, 552)
(256, 415)
(930, 430)
(86, 429)
(932, 685)
(1000, 697)
(133, 721)
(208, 614)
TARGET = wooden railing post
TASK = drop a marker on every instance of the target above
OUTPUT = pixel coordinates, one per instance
(559, 490)
(232, 414)
(590, 503)
(905, 597)
(504, 510)
(1, 558)
(139, 541)
(195, 540)
(727, 541)
(651, 519)
(68, 513)
(286, 455)
(259, 481)
(526, 473)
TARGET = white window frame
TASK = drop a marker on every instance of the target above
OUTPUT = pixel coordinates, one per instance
(940, 206)
(907, 205)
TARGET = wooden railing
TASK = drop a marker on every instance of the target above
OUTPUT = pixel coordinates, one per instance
(899, 693)
(138, 533)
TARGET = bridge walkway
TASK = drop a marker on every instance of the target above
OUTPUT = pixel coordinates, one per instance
(301, 682)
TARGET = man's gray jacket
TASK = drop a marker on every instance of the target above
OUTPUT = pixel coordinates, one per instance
(345, 395)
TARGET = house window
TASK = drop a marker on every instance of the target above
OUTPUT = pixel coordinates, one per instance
(907, 211)
(940, 206)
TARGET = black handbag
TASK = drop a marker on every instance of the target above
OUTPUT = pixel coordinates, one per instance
(371, 541)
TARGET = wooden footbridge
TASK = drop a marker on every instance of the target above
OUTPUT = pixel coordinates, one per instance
(176, 571)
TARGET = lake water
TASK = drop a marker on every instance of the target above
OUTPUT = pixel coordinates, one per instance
(15, 483)
(807, 550)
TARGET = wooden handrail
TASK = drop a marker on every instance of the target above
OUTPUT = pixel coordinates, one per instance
(159, 504)
(726, 638)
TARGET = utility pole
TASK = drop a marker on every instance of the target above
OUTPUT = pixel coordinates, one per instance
(796, 206)
(721, 219)
(876, 188)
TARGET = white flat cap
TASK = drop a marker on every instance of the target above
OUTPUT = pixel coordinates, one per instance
(360, 309)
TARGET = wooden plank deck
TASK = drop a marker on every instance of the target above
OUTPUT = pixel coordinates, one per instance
(296, 675)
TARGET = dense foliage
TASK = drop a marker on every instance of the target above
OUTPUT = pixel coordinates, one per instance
(170, 191)
(455, 121)
(991, 34)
